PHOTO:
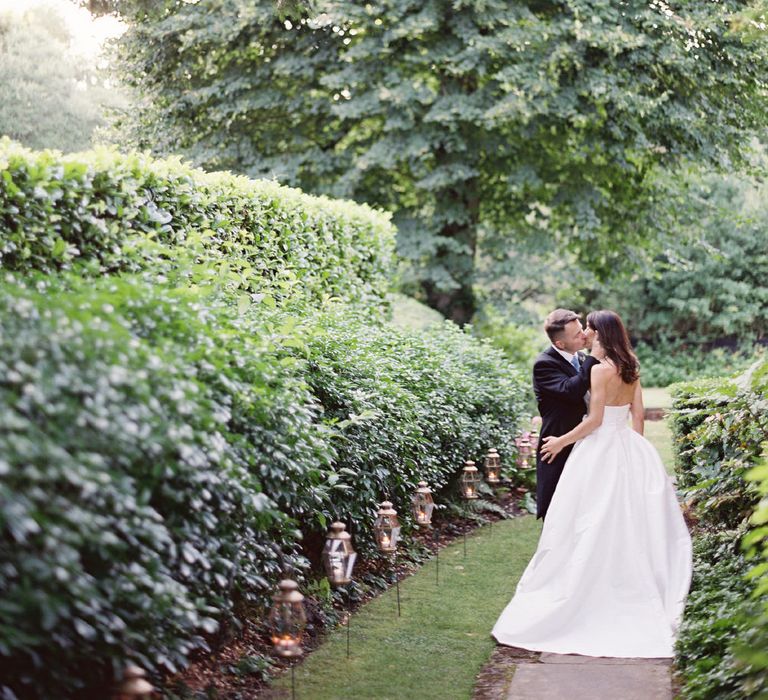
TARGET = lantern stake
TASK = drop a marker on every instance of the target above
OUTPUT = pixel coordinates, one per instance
(349, 614)
(436, 540)
(397, 584)
(466, 514)
(293, 682)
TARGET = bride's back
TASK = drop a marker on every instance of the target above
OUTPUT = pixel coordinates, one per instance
(617, 392)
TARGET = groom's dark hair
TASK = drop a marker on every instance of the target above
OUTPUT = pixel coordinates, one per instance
(557, 320)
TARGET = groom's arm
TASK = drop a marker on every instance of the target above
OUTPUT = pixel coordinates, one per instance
(550, 379)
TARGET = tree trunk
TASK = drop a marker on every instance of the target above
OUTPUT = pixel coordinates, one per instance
(455, 258)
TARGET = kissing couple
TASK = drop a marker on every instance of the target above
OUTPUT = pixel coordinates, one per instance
(613, 564)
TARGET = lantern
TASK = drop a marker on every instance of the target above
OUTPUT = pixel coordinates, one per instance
(134, 685)
(524, 450)
(387, 528)
(338, 555)
(287, 619)
(492, 467)
(470, 480)
(422, 505)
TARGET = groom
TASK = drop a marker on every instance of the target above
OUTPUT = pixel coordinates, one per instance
(560, 382)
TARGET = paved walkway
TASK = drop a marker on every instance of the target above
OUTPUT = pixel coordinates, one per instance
(516, 674)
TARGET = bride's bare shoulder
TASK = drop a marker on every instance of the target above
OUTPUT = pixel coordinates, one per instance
(602, 370)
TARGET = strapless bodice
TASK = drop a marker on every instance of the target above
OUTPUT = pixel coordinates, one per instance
(616, 415)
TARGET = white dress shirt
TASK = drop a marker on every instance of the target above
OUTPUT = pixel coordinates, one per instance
(568, 356)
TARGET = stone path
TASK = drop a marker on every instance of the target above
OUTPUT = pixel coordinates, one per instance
(518, 674)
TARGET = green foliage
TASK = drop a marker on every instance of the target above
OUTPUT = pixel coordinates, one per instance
(182, 397)
(720, 426)
(717, 612)
(540, 120)
(104, 213)
(521, 344)
(668, 363)
(754, 651)
(49, 96)
(141, 429)
(709, 282)
(163, 446)
(409, 406)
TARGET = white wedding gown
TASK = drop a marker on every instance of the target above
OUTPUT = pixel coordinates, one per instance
(613, 565)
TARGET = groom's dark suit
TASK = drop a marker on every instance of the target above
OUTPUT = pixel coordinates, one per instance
(560, 391)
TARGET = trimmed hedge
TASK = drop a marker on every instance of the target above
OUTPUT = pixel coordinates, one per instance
(719, 428)
(181, 398)
(411, 406)
(162, 446)
(103, 213)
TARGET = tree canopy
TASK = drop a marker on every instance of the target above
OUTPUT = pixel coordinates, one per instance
(542, 121)
(49, 96)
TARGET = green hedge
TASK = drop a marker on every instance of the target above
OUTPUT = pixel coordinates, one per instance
(162, 447)
(410, 405)
(185, 405)
(719, 428)
(754, 650)
(103, 213)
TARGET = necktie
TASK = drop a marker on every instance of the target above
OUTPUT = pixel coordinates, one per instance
(575, 362)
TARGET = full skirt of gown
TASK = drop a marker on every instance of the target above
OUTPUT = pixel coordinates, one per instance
(613, 564)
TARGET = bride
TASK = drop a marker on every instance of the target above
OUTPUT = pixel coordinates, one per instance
(613, 565)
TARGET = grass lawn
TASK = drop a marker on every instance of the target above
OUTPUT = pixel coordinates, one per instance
(655, 397)
(411, 314)
(658, 432)
(443, 638)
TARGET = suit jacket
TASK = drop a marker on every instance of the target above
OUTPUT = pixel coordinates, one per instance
(560, 391)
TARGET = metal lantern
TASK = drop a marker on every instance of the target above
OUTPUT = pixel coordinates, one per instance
(287, 619)
(470, 480)
(422, 505)
(492, 467)
(134, 685)
(387, 528)
(524, 450)
(338, 555)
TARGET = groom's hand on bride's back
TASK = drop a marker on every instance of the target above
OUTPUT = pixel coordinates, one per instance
(551, 447)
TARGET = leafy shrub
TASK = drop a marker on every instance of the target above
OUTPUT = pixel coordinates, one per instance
(521, 344)
(161, 446)
(103, 213)
(410, 407)
(717, 611)
(136, 447)
(753, 651)
(719, 427)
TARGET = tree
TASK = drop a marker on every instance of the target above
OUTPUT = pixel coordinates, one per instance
(49, 97)
(712, 283)
(526, 121)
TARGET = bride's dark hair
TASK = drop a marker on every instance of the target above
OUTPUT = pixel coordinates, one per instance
(614, 339)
